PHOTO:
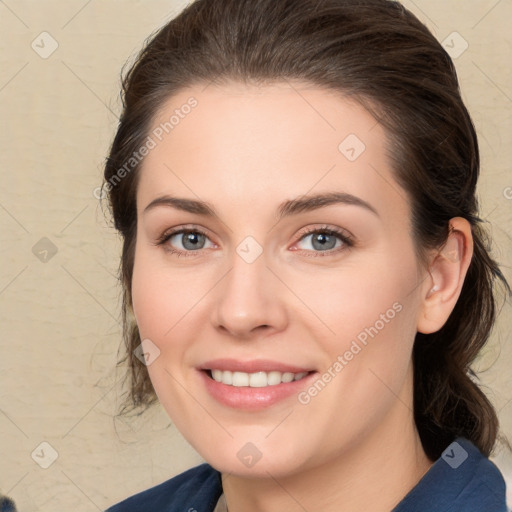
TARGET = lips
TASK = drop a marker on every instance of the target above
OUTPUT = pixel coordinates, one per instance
(253, 385)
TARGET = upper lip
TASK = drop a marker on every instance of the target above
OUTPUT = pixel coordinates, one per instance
(254, 366)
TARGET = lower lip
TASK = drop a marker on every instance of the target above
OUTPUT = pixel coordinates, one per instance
(248, 398)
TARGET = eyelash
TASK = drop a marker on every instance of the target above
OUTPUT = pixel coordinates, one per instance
(346, 239)
(169, 234)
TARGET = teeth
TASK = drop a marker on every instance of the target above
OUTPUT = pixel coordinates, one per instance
(255, 380)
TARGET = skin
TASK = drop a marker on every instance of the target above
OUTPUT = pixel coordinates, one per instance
(245, 149)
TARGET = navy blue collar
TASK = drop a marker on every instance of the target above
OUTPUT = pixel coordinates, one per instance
(461, 479)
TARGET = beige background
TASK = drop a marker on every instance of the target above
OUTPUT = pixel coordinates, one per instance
(60, 331)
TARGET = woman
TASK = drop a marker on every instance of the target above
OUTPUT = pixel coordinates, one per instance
(306, 281)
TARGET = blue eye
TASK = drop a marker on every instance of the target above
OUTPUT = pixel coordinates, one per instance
(184, 241)
(190, 240)
(325, 240)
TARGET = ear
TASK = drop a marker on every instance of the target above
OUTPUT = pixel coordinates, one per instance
(447, 269)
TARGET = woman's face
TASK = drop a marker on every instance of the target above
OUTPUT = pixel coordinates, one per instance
(271, 279)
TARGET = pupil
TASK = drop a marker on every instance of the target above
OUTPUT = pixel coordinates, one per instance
(324, 241)
(194, 239)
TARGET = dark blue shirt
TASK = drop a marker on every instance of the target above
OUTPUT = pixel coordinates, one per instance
(462, 479)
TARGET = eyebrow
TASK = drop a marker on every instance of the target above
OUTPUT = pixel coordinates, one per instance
(301, 204)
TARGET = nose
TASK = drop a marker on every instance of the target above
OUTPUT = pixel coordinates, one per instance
(249, 300)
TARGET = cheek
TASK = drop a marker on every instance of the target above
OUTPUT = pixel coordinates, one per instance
(373, 318)
(162, 296)
(368, 316)
(169, 308)
(149, 301)
(354, 298)
(161, 301)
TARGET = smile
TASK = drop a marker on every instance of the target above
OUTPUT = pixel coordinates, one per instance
(254, 380)
(255, 384)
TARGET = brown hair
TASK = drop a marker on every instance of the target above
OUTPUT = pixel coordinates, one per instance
(381, 55)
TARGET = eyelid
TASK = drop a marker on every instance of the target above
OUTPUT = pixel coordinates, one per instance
(347, 239)
(181, 229)
(324, 228)
(187, 228)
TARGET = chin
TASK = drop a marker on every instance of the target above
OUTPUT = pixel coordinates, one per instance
(248, 461)
(261, 469)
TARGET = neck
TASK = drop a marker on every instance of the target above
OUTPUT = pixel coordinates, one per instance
(374, 473)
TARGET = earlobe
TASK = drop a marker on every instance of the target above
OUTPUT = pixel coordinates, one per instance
(447, 271)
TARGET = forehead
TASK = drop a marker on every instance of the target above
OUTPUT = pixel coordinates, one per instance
(284, 139)
(264, 116)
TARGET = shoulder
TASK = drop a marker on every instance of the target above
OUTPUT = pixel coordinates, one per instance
(461, 479)
(195, 490)
(6, 504)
